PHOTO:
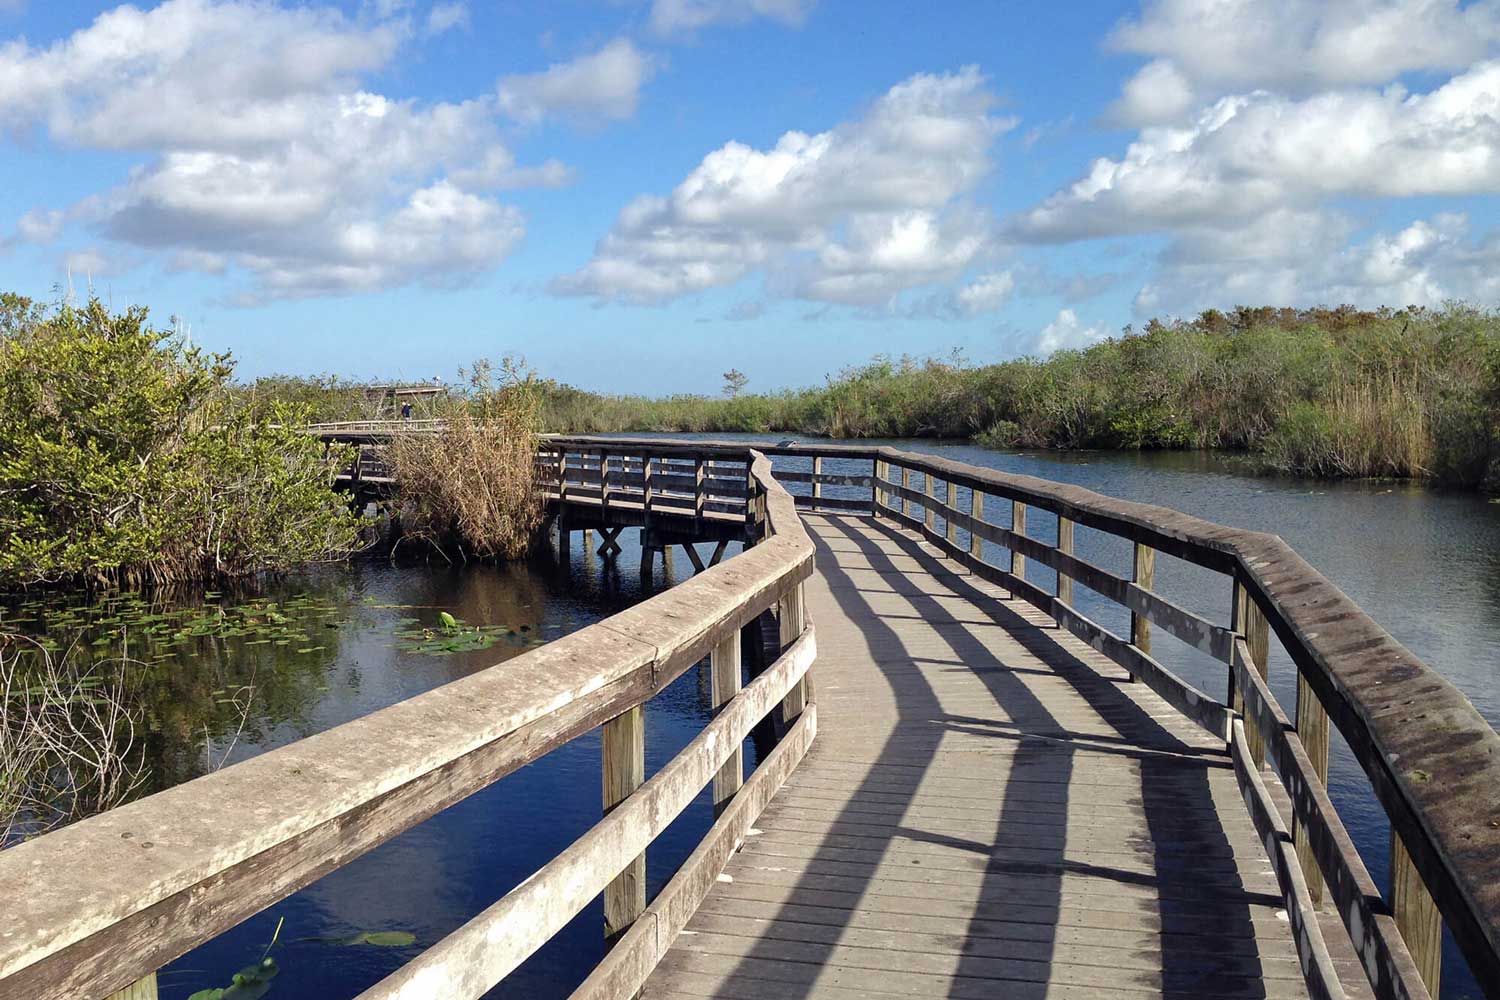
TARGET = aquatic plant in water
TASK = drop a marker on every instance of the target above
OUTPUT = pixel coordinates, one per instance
(454, 635)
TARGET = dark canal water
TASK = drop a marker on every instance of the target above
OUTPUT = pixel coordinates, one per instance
(315, 651)
(337, 644)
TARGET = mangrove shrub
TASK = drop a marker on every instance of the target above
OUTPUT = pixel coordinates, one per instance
(121, 460)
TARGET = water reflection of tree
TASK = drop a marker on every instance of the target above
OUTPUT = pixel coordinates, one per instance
(201, 669)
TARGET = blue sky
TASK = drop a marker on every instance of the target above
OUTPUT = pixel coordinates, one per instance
(637, 196)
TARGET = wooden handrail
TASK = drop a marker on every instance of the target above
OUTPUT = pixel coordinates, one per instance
(1433, 762)
(114, 897)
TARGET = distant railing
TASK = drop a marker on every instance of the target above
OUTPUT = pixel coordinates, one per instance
(95, 908)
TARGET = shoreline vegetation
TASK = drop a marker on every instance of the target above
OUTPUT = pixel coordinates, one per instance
(128, 457)
(1324, 393)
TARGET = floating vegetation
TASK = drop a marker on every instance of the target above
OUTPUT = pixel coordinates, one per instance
(250, 982)
(454, 635)
(131, 622)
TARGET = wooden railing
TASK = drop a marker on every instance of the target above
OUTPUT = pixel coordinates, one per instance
(1432, 760)
(97, 907)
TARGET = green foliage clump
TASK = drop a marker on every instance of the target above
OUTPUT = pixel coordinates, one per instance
(121, 460)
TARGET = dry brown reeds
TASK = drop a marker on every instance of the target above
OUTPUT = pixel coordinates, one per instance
(471, 485)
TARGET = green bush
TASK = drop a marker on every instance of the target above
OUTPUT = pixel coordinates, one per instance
(121, 460)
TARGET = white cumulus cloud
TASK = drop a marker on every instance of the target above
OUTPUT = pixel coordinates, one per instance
(855, 214)
(1314, 257)
(264, 152)
(1068, 333)
(684, 17)
(1249, 154)
(446, 17)
(985, 294)
(1306, 46)
(601, 85)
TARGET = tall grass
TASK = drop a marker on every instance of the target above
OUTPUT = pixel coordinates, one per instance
(471, 487)
(1329, 392)
(1335, 392)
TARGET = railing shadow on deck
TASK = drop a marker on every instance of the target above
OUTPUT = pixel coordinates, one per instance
(1025, 852)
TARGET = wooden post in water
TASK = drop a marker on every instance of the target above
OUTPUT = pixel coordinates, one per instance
(952, 503)
(1144, 576)
(1017, 525)
(791, 619)
(817, 487)
(624, 739)
(1417, 916)
(976, 511)
(1312, 728)
(141, 989)
(1065, 546)
(724, 684)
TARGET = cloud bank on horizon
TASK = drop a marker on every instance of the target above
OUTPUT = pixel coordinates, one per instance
(1246, 151)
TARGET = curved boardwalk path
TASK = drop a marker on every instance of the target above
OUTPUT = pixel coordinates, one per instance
(991, 809)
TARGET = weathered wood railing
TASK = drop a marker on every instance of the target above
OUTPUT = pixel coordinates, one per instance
(1432, 760)
(97, 907)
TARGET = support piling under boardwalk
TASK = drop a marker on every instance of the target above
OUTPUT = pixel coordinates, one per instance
(990, 810)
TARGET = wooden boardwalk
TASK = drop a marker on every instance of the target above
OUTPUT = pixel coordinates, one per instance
(991, 809)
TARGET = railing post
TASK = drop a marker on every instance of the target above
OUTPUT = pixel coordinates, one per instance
(905, 482)
(750, 535)
(724, 684)
(646, 488)
(1417, 916)
(929, 489)
(624, 739)
(1249, 622)
(817, 487)
(562, 476)
(1065, 546)
(878, 496)
(142, 989)
(1312, 729)
(698, 490)
(1144, 576)
(952, 505)
(603, 481)
(976, 511)
(1017, 525)
(791, 622)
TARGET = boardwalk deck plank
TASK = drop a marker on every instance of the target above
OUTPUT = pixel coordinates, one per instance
(991, 808)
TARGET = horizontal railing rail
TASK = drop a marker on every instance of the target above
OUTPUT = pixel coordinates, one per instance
(1432, 760)
(107, 901)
